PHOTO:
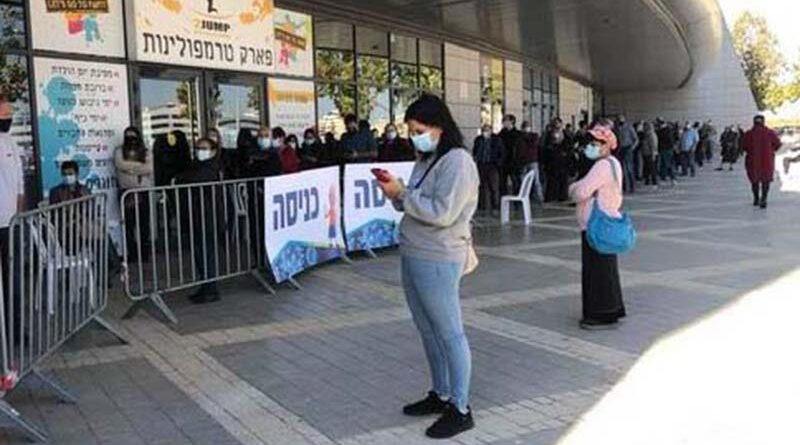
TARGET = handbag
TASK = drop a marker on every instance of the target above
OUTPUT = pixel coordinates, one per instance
(608, 235)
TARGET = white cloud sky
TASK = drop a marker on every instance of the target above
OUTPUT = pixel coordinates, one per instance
(782, 16)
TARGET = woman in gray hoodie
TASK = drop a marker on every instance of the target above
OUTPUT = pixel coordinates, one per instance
(436, 244)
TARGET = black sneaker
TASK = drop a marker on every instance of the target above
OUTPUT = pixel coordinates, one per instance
(452, 423)
(427, 406)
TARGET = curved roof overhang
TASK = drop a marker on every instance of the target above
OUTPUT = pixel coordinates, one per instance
(615, 45)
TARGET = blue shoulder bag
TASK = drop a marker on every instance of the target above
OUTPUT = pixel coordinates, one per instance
(608, 235)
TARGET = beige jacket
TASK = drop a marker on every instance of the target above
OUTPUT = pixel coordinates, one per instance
(133, 174)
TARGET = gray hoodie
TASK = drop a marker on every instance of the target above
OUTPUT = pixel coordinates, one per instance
(436, 224)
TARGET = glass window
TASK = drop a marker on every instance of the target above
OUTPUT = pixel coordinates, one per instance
(430, 53)
(404, 49)
(492, 91)
(372, 42)
(333, 35)
(335, 65)
(373, 105)
(236, 107)
(404, 75)
(431, 78)
(401, 99)
(169, 104)
(334, 102)
(12, 22)
(374, 70)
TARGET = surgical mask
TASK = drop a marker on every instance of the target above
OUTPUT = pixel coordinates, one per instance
(264, 143)
(5, 125)
(424, 142)
(391, 135)
(487, 134)
(293, 145)
(275, 143)
(204, 154)
(70, 180)
(309, 141)
(592, 151)
(508, 125)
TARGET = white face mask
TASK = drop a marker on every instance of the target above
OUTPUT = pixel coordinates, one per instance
(70, 179)
(486, 134)
(204, 155)
(293, 145)
(391, 135)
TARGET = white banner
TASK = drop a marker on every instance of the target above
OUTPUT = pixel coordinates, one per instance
(294, 43)
(292, 105)
(303, 221)
(93, 27)
(82, 113)
(369, 217)
(789, 174)
(232, 35)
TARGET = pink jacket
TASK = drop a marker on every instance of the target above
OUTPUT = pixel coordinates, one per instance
(609, 191)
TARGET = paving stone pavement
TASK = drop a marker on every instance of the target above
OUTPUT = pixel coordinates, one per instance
(333, 363)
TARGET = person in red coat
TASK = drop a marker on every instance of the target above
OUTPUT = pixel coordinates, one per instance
(760, 144)
(287, 150)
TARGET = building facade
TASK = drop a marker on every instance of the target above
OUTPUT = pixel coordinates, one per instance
(80, 72)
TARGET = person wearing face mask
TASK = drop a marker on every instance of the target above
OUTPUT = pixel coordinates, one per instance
(357, 143)
(287, 150)
(394, 148)
(310, 150)
(205, 221)
(436, 245)
(602, 292)
(70, 188)
(134, 165)
(13, 191)
(556, 162)
(266, 161)
(514, 143)
(489, 152)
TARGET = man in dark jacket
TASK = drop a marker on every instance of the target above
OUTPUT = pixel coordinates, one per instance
(207, 224)
(358, 144)
(489, 153)
(514, 143)
(70, 188)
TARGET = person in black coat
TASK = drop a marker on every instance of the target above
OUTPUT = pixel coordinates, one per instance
(310, 151)
(171, 155)
(204, 220)
(393, 148)
(514, 143)
(489, 153)
(556, 162)
(266, 161)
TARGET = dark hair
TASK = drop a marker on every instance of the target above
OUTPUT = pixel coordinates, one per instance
(70, 165)
(291, 138)
(139, 149)
(512, 118)
(207, 140)
(310, 131)
(759, 119)
(278, 132)
(350, 118)
(432, 111)
(363, 125)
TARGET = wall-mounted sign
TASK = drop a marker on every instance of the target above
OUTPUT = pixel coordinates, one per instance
(232, 35)
(93, 27)
(291, 105)
(82, 113)
(294, 45)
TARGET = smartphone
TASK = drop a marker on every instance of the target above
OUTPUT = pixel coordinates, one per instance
(381, 174)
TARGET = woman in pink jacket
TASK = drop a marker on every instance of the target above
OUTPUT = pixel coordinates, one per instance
(602, 292)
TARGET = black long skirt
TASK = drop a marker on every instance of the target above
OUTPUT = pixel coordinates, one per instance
(602, 292)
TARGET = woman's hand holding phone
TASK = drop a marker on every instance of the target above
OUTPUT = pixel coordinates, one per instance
(391, 186)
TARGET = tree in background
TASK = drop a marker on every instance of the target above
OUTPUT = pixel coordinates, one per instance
(761, 59)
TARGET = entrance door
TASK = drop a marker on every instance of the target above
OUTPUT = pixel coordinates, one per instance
(236, 103)
(169, 100)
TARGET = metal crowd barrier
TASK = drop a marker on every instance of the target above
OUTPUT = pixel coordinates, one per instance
(55, 285)
(183, 236)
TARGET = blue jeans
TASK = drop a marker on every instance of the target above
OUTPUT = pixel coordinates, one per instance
(628, 169)
(432, 293)
(666, 167)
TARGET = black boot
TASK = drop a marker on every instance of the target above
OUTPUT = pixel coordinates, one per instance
(432, 404)
(452, 423)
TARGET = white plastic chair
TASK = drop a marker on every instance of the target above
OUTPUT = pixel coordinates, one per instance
(523, 197)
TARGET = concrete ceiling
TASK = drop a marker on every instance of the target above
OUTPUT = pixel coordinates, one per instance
(616, 45)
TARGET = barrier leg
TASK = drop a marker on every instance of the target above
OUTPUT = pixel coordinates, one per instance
(295, 284)
(372, 254)
(100, 321)
(158, 302)
(56, 387)
(32, 431)
(261, 280)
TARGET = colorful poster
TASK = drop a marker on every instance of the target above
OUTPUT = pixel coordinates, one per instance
(231, 35)
(294, 43)
(302, 221)
(95, 27)
(82, 114)
(292, 105)
(369, 218)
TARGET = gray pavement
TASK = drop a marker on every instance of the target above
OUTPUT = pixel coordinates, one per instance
(333, 363)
